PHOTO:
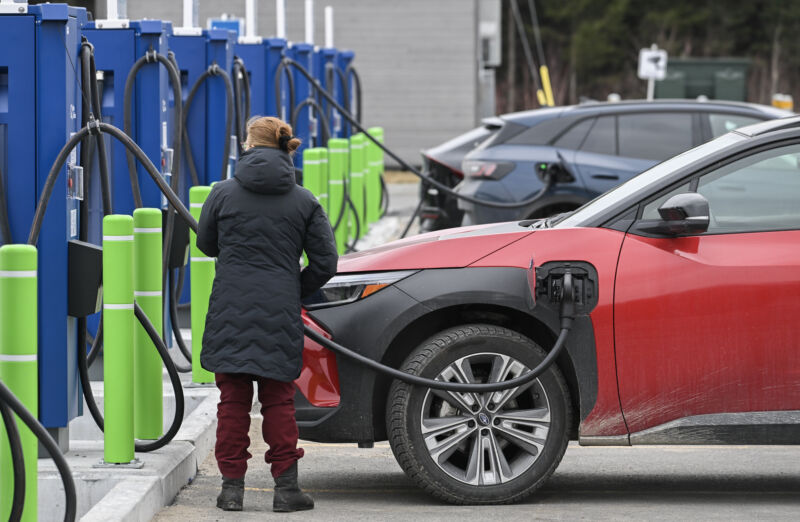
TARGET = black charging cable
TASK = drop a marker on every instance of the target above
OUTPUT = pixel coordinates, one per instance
(311, 103)
(427, 179)
(151, 57)
(549, 180)
(283, 68)
(10, 400)
(241, 84)
(17, 463)
(567, 316)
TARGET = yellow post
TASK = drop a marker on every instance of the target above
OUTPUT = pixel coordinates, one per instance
(548, 91)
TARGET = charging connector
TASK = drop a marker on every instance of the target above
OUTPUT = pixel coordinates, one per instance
(555, 280)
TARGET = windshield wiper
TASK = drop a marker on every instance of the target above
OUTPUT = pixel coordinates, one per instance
(544, 223)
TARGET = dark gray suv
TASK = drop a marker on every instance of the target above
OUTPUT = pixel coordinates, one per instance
(598, 146)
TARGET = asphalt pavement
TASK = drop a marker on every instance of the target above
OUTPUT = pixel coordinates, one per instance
(638, 483)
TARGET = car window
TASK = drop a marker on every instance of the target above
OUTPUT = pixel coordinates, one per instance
(651, 209)
(758, 193)
(574, 136)
(654, 136)
(602, 137)
(541, 133)
(724, 123)
(638, 186)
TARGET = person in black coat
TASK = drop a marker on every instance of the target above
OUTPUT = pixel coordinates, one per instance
(257, 225)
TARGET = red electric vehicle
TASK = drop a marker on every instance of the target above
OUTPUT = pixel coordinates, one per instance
(689, 286)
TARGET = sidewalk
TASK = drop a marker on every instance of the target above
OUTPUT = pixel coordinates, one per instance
(130, 494)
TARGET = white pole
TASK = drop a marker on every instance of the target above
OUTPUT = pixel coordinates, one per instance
(111, 10)
(310, 22)
(280, 18)
(251, 15)
(190, 18)
(651, 88)
(328, 27)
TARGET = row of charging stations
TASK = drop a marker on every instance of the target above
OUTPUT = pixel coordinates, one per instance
(41, 107)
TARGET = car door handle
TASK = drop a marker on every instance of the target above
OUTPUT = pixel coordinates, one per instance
(612, 177)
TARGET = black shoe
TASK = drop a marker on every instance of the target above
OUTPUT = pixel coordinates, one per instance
(288, 495)
(231, 497)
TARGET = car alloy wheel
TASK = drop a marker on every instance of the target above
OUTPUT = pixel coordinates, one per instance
(471, 448)
(485, 439)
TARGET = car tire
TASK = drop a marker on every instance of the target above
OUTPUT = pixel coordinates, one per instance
(512, 429)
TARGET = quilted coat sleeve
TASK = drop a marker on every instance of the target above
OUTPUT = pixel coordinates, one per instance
(207, 227)
(320, 247)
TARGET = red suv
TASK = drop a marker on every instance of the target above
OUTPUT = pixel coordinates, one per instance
(689, 298)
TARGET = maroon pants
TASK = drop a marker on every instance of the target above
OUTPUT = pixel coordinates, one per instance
(279, 427)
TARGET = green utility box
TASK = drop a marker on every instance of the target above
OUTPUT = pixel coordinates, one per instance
(716, 78)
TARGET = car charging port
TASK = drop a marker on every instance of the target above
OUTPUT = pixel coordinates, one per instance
(555, 279)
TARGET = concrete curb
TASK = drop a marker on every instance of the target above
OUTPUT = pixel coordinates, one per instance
(140, 494)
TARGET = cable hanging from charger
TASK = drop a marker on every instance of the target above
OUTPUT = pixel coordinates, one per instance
(566, 314)
(8, 398)
(427, 179)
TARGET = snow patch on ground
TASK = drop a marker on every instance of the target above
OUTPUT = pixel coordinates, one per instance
(387, 229)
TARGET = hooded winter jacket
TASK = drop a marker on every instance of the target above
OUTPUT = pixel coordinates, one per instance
(257, 225)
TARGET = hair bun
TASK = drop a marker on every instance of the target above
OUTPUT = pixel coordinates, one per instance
(288, 143)
(292, 144)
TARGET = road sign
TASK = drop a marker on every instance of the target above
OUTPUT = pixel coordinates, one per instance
(652, 64)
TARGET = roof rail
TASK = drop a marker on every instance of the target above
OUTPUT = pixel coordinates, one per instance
(765, 127)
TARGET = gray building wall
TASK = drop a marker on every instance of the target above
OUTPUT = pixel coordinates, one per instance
(417, 58)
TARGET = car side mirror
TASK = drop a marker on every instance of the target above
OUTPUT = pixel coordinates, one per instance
(686, 213)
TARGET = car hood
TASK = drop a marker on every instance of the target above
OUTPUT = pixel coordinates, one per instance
(451, 248)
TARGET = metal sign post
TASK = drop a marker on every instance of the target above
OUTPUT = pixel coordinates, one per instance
(652, 67)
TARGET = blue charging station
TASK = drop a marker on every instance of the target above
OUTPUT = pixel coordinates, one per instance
(195, 50)
(323, 58)
(40, 106)
(275, 52)
(116, 50)
(117, 47)
(307, 124)
(344, 59)
(206, 121)
(220, 50)
(253, 51)
(254, 56)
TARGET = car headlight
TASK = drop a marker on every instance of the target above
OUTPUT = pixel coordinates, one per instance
(343, 289)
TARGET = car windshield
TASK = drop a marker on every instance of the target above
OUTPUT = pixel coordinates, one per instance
(637, 183)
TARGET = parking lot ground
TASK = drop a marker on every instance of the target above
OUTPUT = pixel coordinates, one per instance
(640, 483)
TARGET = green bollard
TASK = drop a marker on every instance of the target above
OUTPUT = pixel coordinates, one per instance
(19, 367)
(118, 338)
(337, 172)
(324, 190)
(147, 374)
(374, 173)
(311, 170)
(357, 191)
(311, 179)
(202, 269)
